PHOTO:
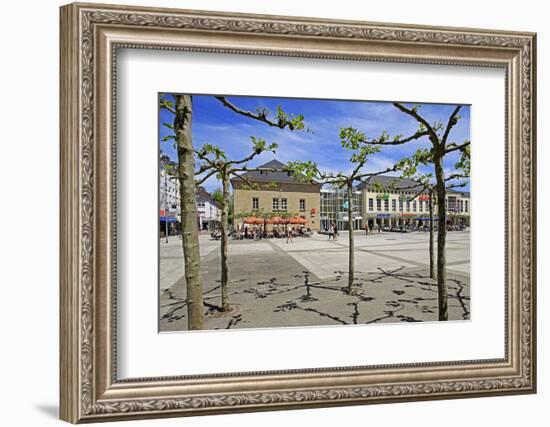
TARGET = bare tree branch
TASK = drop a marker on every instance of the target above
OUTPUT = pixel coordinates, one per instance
(416, 116)
(205, 177)
(208, 160)
(419, 193)
(358, 167)
(166, 107)
(457, 185)
(246, 159)
(453, 147)
(370, 175)
(416, 135)
(246, 180)
(256, 116)
(450, 123)
(203, 168)
(424, 186)
(456, 176)
(247, 169)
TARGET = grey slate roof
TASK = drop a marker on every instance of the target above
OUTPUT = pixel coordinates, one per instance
(386, 181)
(204, 196)
(268, 176)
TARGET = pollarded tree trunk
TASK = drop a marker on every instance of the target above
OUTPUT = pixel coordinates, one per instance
(189, 227)
(441, 235)
(431, 206)
(223, 248)
(351, 264)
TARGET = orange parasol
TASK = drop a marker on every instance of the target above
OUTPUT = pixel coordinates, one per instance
(297, 220)
(278, 220)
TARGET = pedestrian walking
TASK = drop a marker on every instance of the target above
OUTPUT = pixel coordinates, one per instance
(289, 235)
(335, 231)
(331, 231)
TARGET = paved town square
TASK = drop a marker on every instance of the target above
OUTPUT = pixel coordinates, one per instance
(321, 169)
(303, 283)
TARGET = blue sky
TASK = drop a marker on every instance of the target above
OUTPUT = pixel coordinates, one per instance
(215, 124)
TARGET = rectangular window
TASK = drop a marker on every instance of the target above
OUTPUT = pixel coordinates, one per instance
(414, 206)
(408, 206)
(275, 204)
(386, 205)
(302, 205)
(452, 204)
(255, 203)
(378, 205)
(371, 204)
(400, 205)
(465, 205)
(393, 205)
(283, 205)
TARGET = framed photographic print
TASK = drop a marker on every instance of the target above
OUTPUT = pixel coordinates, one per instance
(265, 212)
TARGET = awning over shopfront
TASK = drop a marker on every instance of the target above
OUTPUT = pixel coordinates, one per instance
(168, 219)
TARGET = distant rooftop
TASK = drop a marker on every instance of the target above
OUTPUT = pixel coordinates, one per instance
(278, 175)
(386, 181)
(205, 196)
(396, 183)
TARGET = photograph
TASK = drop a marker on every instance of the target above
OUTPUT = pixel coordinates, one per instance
(292, 212)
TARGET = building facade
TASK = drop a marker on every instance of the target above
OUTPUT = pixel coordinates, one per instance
(208, 210)
(170, 215)
(389, 204)
(334, 209)
(276, 192)
(385, 203)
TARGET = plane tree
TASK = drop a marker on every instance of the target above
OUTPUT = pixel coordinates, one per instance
(182, 112)
(310, 171)
(180, 107)
(424, 184)
(213, 161)
(438, 134)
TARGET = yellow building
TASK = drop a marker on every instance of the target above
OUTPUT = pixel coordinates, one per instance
(391, 203)
(276, 193)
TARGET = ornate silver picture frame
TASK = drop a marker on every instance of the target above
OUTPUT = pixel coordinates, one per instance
(91, 36)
